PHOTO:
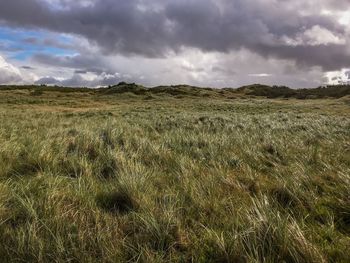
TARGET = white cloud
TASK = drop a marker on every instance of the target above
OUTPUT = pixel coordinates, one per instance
(260, 75)
(314, 36)
(344, 18)
(338, 77)
(191, 66)
(11, 74)
(321, 36)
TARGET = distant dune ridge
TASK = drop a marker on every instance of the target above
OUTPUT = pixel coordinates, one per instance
(259, 90)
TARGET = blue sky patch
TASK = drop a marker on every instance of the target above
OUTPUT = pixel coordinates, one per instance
(20, 44)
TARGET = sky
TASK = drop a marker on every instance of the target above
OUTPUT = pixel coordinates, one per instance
(208, 43)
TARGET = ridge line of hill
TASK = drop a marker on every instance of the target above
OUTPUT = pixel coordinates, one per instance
(258, 90)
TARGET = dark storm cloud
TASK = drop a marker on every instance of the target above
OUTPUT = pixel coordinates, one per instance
(332, 57)
(158, 28)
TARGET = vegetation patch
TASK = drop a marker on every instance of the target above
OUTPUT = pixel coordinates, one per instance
(117, 202)
(174, 174)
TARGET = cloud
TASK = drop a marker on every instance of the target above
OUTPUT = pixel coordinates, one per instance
(260, 75)
(223, 71)
(339, 77)
(27, 67)
(9, 73)
(163, 28)
(78, 80)
(192, 66)
(315, 36)
(68, 61)
(15, 74)
(49, 42)
(347, 74)
(47, 81)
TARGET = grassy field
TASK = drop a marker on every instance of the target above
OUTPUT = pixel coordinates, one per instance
(97, 177)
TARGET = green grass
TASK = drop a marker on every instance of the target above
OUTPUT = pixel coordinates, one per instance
(167, 177)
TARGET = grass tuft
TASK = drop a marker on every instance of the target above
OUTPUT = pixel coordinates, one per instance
(117, 202)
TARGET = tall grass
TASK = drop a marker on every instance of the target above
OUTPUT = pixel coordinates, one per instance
(123, 179)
